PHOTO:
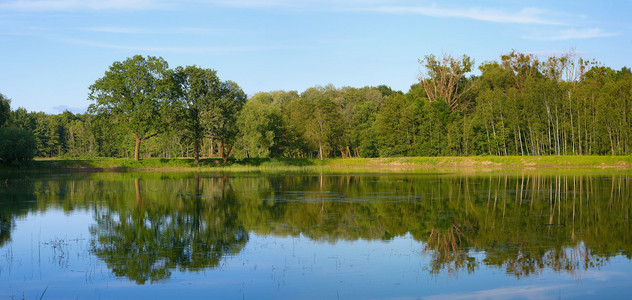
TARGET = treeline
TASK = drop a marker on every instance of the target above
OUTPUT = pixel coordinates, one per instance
(519, 105)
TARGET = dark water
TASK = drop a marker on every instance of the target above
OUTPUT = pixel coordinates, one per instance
(130, 236)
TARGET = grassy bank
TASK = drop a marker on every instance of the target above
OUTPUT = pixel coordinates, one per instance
(339, 164)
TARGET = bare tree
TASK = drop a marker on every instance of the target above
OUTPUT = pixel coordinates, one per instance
(567, 67)
(443, 79)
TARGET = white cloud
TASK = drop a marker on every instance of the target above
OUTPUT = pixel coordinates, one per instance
(138, 30)
(524, 292)
(186, 50)
(572, 34)
(523, 16)
(294, 3)
(599, 275)
(554, 53)
(127, 30)
(73, 109)
(74, 5)
(201, 30)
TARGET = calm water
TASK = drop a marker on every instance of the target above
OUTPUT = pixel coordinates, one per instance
(130, 236)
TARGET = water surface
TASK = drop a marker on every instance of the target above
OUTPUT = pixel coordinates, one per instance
(367, 236)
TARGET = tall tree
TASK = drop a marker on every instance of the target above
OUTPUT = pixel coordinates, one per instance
(325, 125)
(23, 119)
(259, 123)
(221, 116)
(445, 78)
(134, 92)
(200, 88)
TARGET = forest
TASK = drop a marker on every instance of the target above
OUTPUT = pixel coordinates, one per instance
(519, 105)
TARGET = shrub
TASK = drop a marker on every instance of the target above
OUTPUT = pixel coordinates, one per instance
(16, 145)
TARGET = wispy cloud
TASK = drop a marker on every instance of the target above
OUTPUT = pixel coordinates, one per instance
(126, 30)
(526, 292)
(599, 275)
(138, 30)
(78, 5)
(555, 53)
(202, 30)
(523, 16)
(295, 3)
(572, 34)
(520, 16)
(168, 49)
(73, 109)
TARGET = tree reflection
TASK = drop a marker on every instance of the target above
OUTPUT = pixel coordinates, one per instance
(449, 250)
(16, 200)
(529, 224)
(153, 237)
(148, 225)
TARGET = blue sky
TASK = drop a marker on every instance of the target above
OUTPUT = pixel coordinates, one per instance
(51, 51)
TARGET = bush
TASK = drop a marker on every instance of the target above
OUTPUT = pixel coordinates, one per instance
(16, 145)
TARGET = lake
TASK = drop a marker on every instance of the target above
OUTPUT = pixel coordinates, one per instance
(537, 234)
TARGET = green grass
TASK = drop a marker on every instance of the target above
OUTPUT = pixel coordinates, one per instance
(392, 164)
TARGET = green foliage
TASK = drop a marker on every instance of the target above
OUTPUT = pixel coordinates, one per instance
(519, 105)
(324, 129)
(200, 90)
(17, 145)
(23, 119)
(397, 125)
(258, 123)
(5, 111)
(222, 116)
(135, 93)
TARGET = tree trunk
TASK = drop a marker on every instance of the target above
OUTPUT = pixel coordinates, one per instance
(320, 151)
(212, 153)
(196, 151)
(220, 149)
(225, 152)
(137, 149)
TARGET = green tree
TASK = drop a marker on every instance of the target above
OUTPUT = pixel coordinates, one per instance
(16, 145)
(136, 93)
(362, 133)
(397, 125)
(5, 110)
(221, 116)
(296, 114)
(200, 89)
(259, 123)
(23, 119)
(325, 123)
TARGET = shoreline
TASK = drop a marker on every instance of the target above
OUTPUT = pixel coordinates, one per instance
(392, 164)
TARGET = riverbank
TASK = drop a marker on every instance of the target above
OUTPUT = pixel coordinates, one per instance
(334, 164)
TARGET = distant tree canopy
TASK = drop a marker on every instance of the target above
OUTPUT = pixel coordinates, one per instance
(17, 145)
(5, 110)
(518, 105)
